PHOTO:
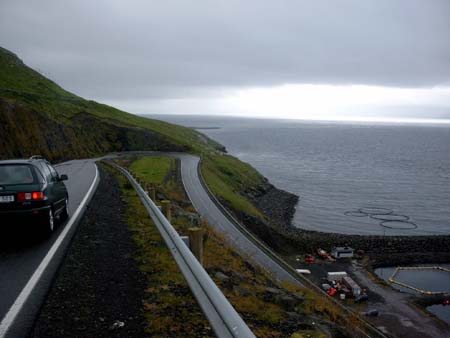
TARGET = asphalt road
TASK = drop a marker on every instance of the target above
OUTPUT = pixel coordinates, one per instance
(208, 209)
(23, 251)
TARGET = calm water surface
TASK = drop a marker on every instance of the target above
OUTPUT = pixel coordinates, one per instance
(429, 280)
(425, 280)
(336, 168)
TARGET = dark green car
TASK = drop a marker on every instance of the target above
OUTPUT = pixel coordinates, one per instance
(32, 191)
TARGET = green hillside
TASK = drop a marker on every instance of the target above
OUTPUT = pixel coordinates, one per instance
(16, 76)
(37, 116)
(27, 92)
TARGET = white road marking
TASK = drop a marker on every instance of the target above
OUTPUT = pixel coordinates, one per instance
(15, 309)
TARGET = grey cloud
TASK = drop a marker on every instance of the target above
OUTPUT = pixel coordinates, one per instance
(141, 49)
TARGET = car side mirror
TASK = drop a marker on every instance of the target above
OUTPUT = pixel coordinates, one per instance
(63, 178)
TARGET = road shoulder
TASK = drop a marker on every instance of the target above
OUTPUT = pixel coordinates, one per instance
(99, 288)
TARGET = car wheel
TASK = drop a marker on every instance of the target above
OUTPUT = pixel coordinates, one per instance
(65, 212)
(48, 223)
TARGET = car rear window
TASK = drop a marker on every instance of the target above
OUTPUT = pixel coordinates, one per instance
(11, 174)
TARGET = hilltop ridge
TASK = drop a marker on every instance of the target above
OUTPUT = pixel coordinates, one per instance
(75, 127)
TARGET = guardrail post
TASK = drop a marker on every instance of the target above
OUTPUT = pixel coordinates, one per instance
(166, 209)
(196, 243)
(152, 193)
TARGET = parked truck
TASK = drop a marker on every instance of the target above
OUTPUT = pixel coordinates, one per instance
(351, 284)
(336, 276)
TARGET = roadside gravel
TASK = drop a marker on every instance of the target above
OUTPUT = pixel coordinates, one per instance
(99, 288)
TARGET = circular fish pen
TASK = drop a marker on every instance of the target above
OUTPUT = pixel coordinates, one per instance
(356, 213)
(418, 268)
(399, 225)
(375, 211)
(389, 217)
(386, 217)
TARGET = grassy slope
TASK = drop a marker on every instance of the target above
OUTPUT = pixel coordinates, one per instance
(228, 178)
(152, 169)
(19, 83)
(16, 76)
(21, 86)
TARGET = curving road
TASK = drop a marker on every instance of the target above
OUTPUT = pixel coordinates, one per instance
(28, 263)
(207, 208)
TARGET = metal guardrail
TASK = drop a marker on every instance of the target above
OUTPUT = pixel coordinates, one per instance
(224, 319)
(372, 331)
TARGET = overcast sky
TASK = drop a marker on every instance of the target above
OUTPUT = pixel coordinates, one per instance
(303, 59)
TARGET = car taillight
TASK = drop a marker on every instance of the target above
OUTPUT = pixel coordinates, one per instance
(30, 196)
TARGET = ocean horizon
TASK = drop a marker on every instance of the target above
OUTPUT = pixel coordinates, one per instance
(359, 177)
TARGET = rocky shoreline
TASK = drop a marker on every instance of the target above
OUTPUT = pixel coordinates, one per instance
(276, 204)
(280, 234)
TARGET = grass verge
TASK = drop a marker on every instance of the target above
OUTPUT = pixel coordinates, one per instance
(153, 169)
(229, 179)
(270, 309)
(168, 306)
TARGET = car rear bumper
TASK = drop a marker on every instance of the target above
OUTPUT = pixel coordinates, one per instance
(11, 215)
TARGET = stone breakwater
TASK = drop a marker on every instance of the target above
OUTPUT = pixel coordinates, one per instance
(278, 232)
(277, 204)
(392, 250)
(281, 235)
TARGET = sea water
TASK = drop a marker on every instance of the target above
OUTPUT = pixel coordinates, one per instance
(339, 169)
(428, 280)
